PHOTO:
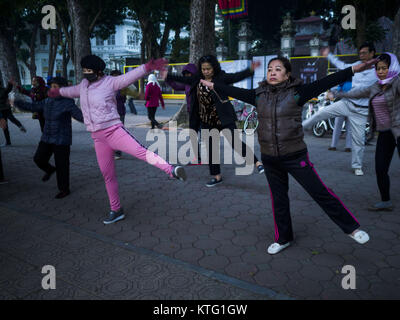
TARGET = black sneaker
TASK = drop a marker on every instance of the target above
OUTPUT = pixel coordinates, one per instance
(47, 176)
(213, 182)
(22, 128)
(260, 169)
(179, 173)
(62, 194)
(114, 217)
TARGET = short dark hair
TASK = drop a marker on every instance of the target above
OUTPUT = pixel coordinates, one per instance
(62, 82)
(384, 57)
(368, 45)
(211, 60)
(286, 63)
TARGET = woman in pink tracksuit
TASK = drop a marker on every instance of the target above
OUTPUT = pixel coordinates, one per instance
(99, 109)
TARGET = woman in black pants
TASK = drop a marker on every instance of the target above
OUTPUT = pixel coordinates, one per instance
(208, 112)
(384, 116)
(279, 102)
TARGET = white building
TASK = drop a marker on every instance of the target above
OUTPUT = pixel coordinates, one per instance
(123, 44)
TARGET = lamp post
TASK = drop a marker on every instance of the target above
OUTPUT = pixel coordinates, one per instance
(314, 46)
(244, 44)
(287, 39)
(222, 51)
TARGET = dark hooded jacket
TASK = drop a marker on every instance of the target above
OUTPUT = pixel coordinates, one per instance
(226, 112)
(190, 67)
(57, 112)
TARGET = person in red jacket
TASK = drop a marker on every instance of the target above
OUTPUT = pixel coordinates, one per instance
(153, 96)
(37, 93)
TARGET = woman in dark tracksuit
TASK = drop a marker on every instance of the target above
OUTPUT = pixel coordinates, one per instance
(207, 112)
(279, 102)
(57, 135)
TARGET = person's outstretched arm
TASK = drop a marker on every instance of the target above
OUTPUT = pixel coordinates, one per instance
(124, 80)
(230, 78)
(181, 79)
(176, 86)
(353, 94)
(76, 113)
(337, 62)
(245, 95)
(308, 91)
(35, 106)
(67, 92)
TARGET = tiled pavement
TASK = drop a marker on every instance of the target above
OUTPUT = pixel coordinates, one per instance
(183, 240)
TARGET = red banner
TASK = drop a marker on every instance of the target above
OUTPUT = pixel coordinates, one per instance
(232, 9)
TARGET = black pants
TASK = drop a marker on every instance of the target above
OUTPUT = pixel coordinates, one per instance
(383, 157)
(1, 168)
(41, 120)
(61, 159)
(298, 165)
(151, 113)
(8, 115)
(215, 169)
(132, 106)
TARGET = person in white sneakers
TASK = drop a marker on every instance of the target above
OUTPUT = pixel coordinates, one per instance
(283, 151)
(355, 110)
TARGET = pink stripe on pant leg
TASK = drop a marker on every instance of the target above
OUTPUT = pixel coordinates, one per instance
(121, 139)
(105, 159)
(330, 191)
(273, 213)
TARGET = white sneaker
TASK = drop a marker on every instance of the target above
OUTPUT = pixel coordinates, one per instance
(358, 172)
(276, 247)
(360, 236)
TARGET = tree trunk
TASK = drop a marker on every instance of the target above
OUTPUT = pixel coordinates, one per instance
(81, 38)
(396, 35)
(202, 29)
(202, 40)
(32, 51)
(54, 40)
(361, 24)
(8, 56)
(164, 39)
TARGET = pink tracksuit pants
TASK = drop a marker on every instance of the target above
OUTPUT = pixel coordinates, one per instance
(118, 138)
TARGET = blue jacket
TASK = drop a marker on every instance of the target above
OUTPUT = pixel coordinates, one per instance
(57, 113)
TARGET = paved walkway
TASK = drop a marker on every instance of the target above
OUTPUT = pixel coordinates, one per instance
(183, 240)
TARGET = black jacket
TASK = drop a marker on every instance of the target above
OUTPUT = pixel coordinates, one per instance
(226, 112)
(279, 109)
(4, 96)
(57, 113)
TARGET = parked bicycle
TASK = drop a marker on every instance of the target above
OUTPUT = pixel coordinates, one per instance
(247, 114)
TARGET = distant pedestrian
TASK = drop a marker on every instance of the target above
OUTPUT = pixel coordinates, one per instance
(153, 97)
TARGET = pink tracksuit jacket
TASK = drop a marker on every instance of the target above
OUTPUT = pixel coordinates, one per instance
(98, 102)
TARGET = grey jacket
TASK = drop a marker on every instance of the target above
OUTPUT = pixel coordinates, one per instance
(392, 97)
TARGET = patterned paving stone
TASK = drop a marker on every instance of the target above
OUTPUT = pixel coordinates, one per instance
(177, 221)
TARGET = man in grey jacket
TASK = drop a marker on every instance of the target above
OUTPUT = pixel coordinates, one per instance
(356, 110)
